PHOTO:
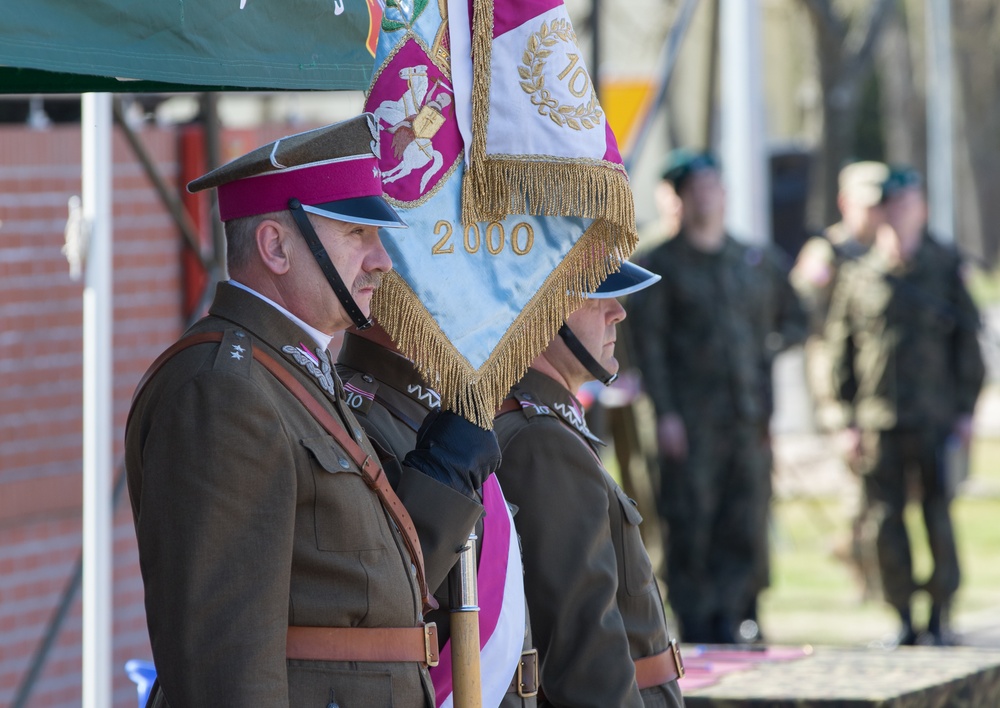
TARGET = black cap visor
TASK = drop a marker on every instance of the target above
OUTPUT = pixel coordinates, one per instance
(371, 211)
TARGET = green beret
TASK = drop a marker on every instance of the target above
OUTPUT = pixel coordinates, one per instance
(681, 163)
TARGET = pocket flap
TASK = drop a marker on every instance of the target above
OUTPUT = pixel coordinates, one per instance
(328, 454)
(632, 514)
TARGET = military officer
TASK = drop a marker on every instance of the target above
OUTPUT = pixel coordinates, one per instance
(279, 567)
(902, 332)
(392, 401)
(596, 613)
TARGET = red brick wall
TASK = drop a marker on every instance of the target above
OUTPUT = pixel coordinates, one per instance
(41, 396)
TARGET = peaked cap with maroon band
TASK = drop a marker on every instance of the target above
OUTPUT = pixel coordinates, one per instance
(332, 171)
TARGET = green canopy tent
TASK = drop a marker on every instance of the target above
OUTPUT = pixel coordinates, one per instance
(51, 46)
(136, 46)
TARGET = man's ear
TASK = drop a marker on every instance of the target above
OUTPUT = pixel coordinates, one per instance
(273, 245)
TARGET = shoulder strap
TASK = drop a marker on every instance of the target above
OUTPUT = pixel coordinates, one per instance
(371, 469)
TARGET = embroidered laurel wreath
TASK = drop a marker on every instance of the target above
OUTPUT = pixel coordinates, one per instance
(585, 115)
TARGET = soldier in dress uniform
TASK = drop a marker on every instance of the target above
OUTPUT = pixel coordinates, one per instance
(392, 401)
(279, 567)
(596, 612)
(903, 338)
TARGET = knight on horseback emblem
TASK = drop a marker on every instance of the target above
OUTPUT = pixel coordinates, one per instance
(412, 101)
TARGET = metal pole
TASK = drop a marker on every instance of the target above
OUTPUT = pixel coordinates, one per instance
(595, 63)
(96, 123)
(668, 58)
(744, 151)
(940, 128)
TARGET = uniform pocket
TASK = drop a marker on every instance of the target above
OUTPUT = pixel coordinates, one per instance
(311, 685)
(638, 567)
(347, 514)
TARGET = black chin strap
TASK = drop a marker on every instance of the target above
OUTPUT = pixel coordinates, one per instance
(585, 357)
(326, 265)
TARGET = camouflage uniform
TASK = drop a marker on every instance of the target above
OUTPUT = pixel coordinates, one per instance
(907, 363)
(699, 353)
(390, 400)
(814, 278)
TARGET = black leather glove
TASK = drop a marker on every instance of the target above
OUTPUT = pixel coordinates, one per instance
(455, 452)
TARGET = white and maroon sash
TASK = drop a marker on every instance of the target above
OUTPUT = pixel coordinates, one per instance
(501, 605)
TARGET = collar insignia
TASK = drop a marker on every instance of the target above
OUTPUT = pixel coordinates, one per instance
(428, 396)
(318, 365)
(572, 414)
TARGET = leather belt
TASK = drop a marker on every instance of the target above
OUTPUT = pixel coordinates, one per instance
(525, 681)
(660, 668)
(419, 644)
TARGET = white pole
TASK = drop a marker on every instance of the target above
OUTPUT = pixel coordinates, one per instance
(744, 151)
(940, 129)
(97, 386)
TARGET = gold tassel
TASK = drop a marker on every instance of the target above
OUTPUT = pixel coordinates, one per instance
(477, 394)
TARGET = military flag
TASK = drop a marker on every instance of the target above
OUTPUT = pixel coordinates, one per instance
(515, 211)
(492, 100)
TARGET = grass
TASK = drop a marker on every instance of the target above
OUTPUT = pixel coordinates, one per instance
(816, 599)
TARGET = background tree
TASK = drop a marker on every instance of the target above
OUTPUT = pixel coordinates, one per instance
(846, 37)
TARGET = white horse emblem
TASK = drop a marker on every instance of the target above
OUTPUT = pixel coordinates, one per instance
(413, 121)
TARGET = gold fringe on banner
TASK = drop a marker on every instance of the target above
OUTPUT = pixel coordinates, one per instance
(495, 186)
(477, 394)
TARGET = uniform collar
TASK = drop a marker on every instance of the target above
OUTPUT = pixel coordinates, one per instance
(548, 396)
(390, 368)
(323, 340)
(267, 323)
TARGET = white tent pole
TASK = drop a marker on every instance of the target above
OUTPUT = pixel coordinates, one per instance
(97, 387)
(940, 130)
(744, 150)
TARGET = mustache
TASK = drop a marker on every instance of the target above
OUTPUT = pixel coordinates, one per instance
(368, 280)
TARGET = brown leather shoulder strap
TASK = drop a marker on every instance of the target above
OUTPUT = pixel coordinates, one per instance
(371, 469)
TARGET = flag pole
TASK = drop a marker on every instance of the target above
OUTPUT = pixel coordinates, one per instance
(465, 647)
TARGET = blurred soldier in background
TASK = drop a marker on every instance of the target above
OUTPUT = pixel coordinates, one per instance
(814, 275)
(819, 261)
(668, 214)
(700, 348)
(902, 336)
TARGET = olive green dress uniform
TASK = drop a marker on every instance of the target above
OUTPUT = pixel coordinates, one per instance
(391, 400)
(595, 606)
(699, 353)
(268, 524)
(907, 363)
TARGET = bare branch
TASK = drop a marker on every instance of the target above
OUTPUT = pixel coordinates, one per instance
(864, 36)
(827, 21)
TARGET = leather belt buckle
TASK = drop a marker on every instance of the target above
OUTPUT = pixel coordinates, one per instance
(431, 656)
(527, 690)
(678, 660)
